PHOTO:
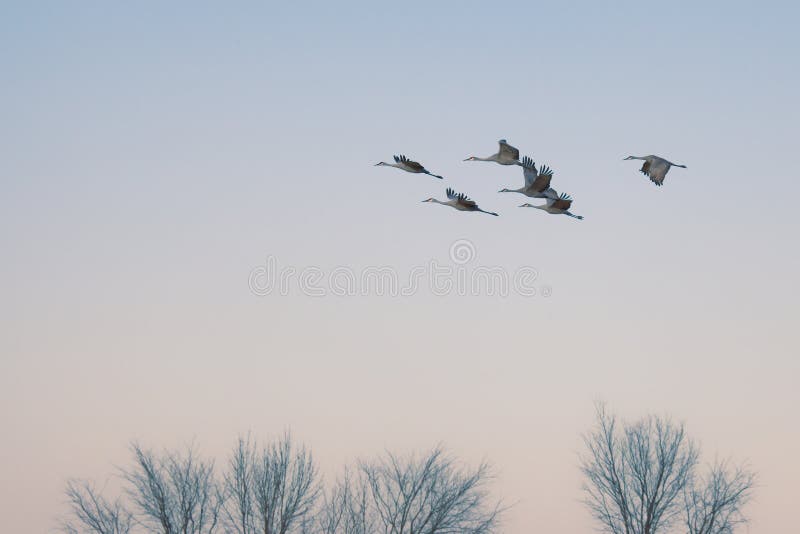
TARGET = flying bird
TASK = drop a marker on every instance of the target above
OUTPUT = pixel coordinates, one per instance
(556, 206)
(403, 163)
(655, 168)
(507, 155)
(459, 201)
(537, 183)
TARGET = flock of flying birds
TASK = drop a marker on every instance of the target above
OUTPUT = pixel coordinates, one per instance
(537, 182)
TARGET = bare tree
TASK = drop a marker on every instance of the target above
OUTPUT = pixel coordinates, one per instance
(429, 495)
(238, 507)
(635, 472)
(346, 507)
(274, 489)
(714, 503)
(174, 493)
(269, 490)
(93, 513)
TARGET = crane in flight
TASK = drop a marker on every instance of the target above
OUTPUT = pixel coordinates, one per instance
(655, 168)
(507, 155)
(403, 163)
(537, 183)
(556, 206)
(459, 201)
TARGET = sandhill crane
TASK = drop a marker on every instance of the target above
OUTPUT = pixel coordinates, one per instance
(655, 168)
(507, 155)
(537, 184)
(556, 206)
(460, 202)
(403, 163)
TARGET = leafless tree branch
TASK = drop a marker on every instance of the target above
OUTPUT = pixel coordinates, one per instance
(714, 503)
(346, 507)
(269, 489)
(429, 495)
(174, 493)
(93, 513)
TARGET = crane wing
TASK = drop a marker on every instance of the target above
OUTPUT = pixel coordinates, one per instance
(562, 203)
(461, 198)
(656, 170)
(409, 163)
(508, 150)
(542, 181)
(551, 193)
(529, 170)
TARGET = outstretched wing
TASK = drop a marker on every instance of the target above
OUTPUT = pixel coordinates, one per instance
(508, 150)
(461, 198)
(656, 170)
(529, 170)
(563, 202)
(409, 163)
(550, 193)
(542, 181)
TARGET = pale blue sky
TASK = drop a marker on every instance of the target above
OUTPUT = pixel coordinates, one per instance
(153, 155)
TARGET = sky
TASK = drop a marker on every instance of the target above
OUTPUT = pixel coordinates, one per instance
(154, 156)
